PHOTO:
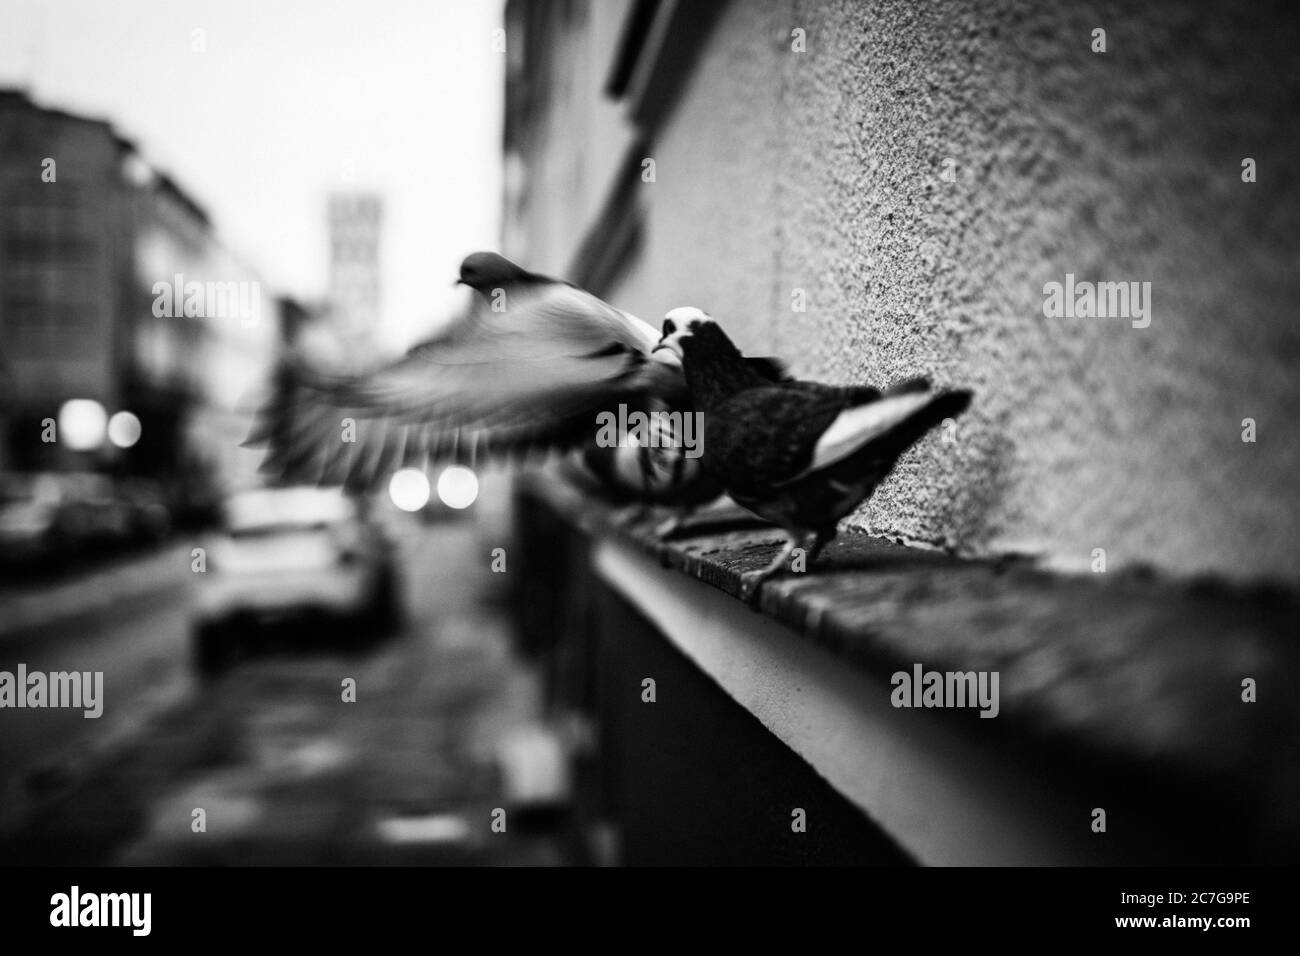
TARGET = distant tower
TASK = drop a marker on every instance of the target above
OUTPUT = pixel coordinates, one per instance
(355, 221)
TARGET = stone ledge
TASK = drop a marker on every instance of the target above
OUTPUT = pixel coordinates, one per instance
(1118, 667)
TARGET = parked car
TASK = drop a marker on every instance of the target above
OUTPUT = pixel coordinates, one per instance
(29, 508)
(292, 567)
(48, 515)
(150, 518)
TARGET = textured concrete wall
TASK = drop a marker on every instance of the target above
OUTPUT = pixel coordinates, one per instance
(821, 171)
(574, 138)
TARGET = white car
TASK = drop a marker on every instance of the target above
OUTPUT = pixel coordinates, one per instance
(292, 566)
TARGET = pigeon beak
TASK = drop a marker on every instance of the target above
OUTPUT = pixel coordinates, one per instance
(667, 353)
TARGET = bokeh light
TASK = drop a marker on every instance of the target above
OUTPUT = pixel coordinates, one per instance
(409, 489)
(124, 429)
(81, 424)
(457, 487)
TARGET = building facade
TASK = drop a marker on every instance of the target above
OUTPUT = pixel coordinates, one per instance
(115, 288)
(874, 191)
(61, 270)
(356, 222)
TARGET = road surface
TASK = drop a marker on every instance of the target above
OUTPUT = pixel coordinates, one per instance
(282, 768)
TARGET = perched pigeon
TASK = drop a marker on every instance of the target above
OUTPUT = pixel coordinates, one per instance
(653, 471)
(800, 454)
(529, 368)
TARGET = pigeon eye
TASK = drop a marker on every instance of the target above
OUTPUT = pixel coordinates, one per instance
(669, 327)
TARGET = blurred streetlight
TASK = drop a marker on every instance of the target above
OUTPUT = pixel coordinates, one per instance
(82, 422)
(409, 489)
(124, 429)
(457, 487)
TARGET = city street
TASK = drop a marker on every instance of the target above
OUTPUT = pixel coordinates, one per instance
(284, 770)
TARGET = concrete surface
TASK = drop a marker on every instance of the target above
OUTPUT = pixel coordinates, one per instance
(1123, 685)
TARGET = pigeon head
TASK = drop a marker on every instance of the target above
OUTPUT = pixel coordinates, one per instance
(689, 332)
(713, 366)
(682, 317)
(487, 270)
(679, 324)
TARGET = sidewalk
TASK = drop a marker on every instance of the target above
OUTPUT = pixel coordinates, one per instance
(25, 605)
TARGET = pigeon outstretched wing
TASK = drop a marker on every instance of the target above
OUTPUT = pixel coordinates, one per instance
(528, 371)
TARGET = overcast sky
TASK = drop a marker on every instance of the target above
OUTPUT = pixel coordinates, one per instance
(292, 99)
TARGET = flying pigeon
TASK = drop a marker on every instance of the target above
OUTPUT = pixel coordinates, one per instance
(528, 369)
(800, 454)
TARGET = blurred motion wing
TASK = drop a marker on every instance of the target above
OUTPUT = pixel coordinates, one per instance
(530, 374)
